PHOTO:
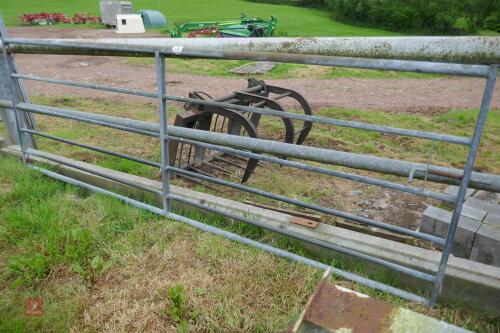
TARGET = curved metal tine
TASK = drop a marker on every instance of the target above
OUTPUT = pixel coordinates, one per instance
(272, 104)
(306, 128)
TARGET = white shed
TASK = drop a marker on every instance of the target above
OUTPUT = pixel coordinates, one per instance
(129, 24)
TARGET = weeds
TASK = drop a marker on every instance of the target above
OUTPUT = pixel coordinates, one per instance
(28, 269)
(179, 311)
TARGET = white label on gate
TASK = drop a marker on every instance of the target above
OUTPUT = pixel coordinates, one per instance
(177, 49)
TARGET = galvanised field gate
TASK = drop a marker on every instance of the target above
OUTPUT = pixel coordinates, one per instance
(450, 56)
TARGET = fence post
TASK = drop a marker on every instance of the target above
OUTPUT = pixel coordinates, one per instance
(162, 107)
(11, 89)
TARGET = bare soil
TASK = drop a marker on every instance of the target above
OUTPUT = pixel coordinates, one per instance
(393, 95)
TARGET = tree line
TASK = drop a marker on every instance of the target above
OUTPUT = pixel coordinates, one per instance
(424, 16)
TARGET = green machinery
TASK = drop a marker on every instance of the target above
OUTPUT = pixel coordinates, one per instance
(244, 27)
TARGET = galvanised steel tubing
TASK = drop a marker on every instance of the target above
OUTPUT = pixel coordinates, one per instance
(334, 212)
(75, 182)
(464, 184)
(330, 121)
(315, 119)
(482, 181)
(88, 85)
(330, 156)
(41, 154)
(311, 240)
(345, 175)
(298, 165)
(48, 111)
(235, 237)
(22, 45)
(162, 109)
(464, 49)
(14, 93)
(94, 148)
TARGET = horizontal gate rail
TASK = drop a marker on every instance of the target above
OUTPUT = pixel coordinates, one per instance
(260, 149)
(360, 219)
(269, 112)
(94, 148)
(361, 179)
(488, 182)
(450, 49)
(23, 45)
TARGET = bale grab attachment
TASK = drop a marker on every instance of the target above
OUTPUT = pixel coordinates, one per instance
(234, 122)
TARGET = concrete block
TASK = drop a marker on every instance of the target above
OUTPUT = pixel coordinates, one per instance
(487, 239)
(490, 197)
(430, 221)
(473, 212)
(485, 257)
(492, 219)
(453, 190)
(483, 205)
(436, 221)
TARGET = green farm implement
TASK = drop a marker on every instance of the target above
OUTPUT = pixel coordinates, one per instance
(244, 27)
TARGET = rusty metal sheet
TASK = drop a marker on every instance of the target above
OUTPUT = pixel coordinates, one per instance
(334, 308)
(305, 222)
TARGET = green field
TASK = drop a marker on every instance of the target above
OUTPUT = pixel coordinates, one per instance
(292, 21)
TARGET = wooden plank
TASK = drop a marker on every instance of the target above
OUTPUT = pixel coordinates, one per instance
(376, 232)
(302, 214)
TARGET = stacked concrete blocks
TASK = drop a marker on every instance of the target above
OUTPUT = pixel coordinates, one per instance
(478, 232)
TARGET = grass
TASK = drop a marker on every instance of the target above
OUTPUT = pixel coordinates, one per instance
(48, 228)
(292, 21)
(222, 68)
(51, 233)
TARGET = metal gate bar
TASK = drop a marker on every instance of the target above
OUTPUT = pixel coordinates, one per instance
(434, 173)
(218, 141)
(269, 112)
(464, 184)
(434, 239)
(33, 46)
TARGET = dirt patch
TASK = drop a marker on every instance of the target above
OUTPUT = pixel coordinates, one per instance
(5, 187)
(78, 62)
(432, 95)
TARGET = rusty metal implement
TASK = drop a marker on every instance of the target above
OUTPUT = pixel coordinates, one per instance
(234, 122)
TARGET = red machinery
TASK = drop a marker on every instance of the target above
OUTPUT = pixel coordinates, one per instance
(80, 18)
(53, 18)
(44, 18)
